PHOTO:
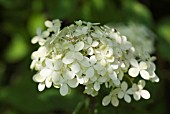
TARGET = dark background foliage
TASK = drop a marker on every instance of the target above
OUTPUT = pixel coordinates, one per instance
(19, 20)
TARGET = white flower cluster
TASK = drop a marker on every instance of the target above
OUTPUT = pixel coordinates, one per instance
(91, 55)
(140, 36)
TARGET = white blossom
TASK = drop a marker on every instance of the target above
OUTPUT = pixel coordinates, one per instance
(91, 55)
(138, 68)
(138, 91)
(124, 92)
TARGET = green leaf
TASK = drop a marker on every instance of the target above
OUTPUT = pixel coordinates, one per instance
(164, 29)
(36, 21)
(135, 11)
(17, 50)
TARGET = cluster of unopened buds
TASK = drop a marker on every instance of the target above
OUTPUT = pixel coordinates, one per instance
(93, 56)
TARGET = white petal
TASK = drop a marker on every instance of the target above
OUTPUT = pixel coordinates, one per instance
(136, 96)
(55, 77)
(116, 82)
(97, 86)
(127, 98)
(45, 72)
(106, 100)
(80, 80)
(135, 87)
(134, 62)
(95, 44)
(90, 51)
(155, 78)
(71, 47)
(85, 62)
(35, 39)
(86, 79)
(133, 72)
(75, 67)
(48, 24)
(89, 40)
(48, 83)
(79, 46)
(94, 78)
(58, 64)
(109, 69)
(90, 72)
(129, 91)
(84, 30)
(103, 62)
(142, 65)
(41, 86)
(141, 84)
(67, 60)
(145, 94)
(121, 94)
(68, 75)
(64, 90)
(102, 79)
(113, 76)
(124, 86)
(118, 52)
(93, 60)
(39, 78)
(42, 51)
(122, 65)
(45, 34)
(144, 74)
(78, 56)
(115, 101)
(111, 59)
(99, 56)
(126, 46)
(98, 67)
(41, 41)
(49, 63)
(109, 53)
(73, 83)
(115, 66)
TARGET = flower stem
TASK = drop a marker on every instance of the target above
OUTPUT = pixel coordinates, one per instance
(92, 105)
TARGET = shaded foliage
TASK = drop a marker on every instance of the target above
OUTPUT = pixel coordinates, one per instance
(19, 22)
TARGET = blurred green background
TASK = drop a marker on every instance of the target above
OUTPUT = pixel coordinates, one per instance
(19, 20)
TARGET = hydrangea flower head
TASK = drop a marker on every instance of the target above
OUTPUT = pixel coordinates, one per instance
(91, 55)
